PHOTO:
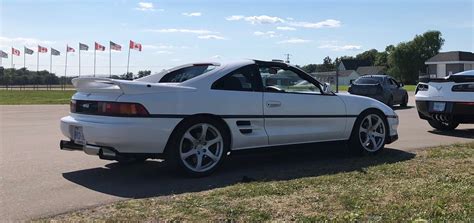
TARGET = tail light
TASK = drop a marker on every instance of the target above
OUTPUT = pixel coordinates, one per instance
(463, 88)
(121, 109)
(421, 87)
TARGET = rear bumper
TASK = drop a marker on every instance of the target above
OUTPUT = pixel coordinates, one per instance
(461, 112)
(119, 134)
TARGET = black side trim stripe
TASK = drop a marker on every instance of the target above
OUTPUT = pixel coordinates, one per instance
(258, 116)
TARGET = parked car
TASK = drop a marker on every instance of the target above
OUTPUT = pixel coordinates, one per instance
(446, 102)
(194, 114)
(380, 87)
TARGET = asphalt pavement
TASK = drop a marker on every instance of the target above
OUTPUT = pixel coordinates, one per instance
(37, 179)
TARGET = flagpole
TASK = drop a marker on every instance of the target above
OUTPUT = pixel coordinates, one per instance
(24, 57)
(128, 60)
(12, 58)
(94, 59)
(79, 59)
(110, 60)
(51, 61)
(37, 60)
(65, 68)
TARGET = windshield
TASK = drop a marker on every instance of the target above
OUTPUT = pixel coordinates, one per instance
(186, 73)
(368, 80)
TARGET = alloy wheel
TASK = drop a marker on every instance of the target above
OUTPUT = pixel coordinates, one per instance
(372, 133)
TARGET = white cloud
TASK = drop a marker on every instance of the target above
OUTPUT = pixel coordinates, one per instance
(262, 19)
(269, 34)
(216, 57)
(146, 6)
(286, 28)
(294, 40)
(328, 23)
(215, 37)
(265, 19)
(191, 14)
(194, 31)
(22, 41)
(332, 45)
(235, 17)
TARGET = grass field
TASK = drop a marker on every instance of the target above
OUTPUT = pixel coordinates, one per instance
(17, 97)
(435, 184)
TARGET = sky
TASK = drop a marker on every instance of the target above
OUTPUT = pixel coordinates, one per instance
(174, 32)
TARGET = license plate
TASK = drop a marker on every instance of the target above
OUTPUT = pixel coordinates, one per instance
(78, 135)
(439, 106)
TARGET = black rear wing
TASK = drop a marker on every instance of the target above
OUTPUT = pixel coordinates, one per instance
(450, 78)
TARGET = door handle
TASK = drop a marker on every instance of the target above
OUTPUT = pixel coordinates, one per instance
(272, 104)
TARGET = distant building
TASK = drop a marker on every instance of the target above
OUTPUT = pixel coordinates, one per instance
(371, 70)
(446, 63)
(353, 64)
(345, 76)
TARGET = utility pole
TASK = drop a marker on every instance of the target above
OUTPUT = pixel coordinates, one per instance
(287, 55)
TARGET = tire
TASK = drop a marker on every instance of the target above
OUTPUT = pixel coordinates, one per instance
(194, 154)
(443, 126)
(368, 137)
(405, 101)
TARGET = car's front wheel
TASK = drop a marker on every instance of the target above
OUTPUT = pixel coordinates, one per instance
(369, 133)
(199, 146)
(443, 126)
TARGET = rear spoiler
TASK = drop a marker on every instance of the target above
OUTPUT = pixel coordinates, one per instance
(450, 78)
(93, 84)
(107, 85)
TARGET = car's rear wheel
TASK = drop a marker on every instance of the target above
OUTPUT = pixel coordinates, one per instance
(369, 133)
(405, 101)
(443, 126)
(199, 146)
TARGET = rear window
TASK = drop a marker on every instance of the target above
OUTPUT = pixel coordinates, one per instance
(186, 73)
(369, 80)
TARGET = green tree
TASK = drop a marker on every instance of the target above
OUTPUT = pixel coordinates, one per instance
(369, 55)
(143, 73)
(407, 59)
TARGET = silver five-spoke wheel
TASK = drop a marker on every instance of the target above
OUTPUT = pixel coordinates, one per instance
(372, 133)
(201, 147)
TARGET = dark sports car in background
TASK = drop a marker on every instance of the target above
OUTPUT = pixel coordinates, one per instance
(380, 87)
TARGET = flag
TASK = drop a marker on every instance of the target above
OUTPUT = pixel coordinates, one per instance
(15, 52)
(70, 49)
(55, 52)
(99, 47)
(135, 46)
(83, 47)
(115, 46)
(3, 54)
(28, 51)
(42, 49)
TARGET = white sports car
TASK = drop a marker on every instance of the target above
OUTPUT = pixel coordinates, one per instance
(447, 102)
(195, 114)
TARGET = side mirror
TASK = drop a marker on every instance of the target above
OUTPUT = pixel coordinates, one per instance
(327, 88)
(401, 84)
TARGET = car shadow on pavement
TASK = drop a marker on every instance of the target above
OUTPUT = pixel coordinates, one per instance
(151, 179)
(460, 133)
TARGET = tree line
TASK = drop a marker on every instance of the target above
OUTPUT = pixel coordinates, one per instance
(24, 76)
(405, 61)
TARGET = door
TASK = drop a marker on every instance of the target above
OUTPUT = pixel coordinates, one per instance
(298, 111)
(397, 91)
(241, 95)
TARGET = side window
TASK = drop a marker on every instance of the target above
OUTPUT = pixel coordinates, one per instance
(243, 79)
(393, 83)
(277, 79)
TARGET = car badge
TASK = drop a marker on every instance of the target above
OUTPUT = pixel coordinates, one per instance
(439, 88)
